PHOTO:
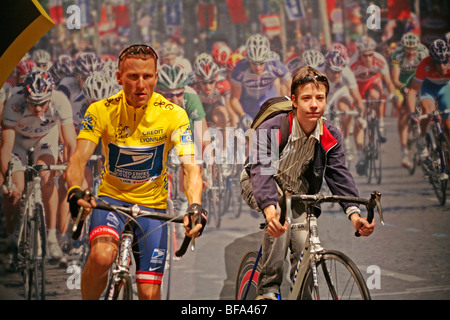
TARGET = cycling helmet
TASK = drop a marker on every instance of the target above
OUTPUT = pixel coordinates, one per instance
(169, 48)
(313, 58)
(41, 56)
(62, 67)
(38, 85)
(447, 37)
(233, 60)
(98, 86)
(309, 42)
(439, 51)
(410, 40)
(257, 48)
(205, 68)
(172, 77)
(341, 48)
(335, 61)
(25, 66)
(86, 63)
(109, 68)
(365, 43)
(221, 53)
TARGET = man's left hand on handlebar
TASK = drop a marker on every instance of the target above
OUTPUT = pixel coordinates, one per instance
(196, 213)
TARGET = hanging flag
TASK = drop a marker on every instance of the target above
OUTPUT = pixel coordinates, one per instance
(27, 22)
(122, 15)
(106, 26)
(173, 17)
(294, 9)
(207, 10)
(237, 11)
(56, 11)
(174, 10)
(84, 11)
(270, 25)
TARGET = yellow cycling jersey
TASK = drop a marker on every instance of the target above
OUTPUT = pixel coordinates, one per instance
(137, 142)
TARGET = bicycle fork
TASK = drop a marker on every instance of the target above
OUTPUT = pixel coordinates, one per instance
(121, 272)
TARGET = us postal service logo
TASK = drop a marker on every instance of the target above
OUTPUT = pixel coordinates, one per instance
(135, 164)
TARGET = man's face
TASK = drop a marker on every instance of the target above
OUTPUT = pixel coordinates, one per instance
(207, 86)
(138, 78)
(442, 68)
(367, 57)
(310, 104)
(257, 67)
(333, 76)
(37, 109)
(410, 53)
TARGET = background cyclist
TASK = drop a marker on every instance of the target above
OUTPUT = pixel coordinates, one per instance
(30, 119)
(371, 69)
(344, 95)
(253, 78)
(432, 78)
(404, 64)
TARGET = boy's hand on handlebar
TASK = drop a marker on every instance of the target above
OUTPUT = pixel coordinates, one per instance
(195, 213)
(362, 225)
(274, 227)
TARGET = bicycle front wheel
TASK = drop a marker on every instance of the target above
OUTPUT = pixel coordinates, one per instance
(337, 278)
(119, 289)
(247, 277)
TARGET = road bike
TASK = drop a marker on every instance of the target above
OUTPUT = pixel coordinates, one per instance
(32, 230)
(214, 195)
(374, 139)
(119, 283)
(320, 274)
(436, 168)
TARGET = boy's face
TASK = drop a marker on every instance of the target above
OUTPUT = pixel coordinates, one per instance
(310, 102)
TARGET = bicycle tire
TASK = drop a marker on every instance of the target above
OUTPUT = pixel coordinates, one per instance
(24, 254)
(344, 279)
(214, 195)
(40, 263)
(377, 161)
(439, 186)
(412, 147)
(245, 278)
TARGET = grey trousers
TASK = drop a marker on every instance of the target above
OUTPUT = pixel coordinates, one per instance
(274, 251)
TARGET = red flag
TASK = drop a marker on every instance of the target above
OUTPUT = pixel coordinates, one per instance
(270, 25)
(56, 11)
(105, 26)
(237, 11)
(209, 9)
(122, 15)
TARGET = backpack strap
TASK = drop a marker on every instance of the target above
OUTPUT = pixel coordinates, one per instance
(285, 130)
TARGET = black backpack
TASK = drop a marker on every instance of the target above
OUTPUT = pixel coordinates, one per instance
(271, 108)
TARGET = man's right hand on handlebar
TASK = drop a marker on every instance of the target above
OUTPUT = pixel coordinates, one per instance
(196, 213)
(77, 199)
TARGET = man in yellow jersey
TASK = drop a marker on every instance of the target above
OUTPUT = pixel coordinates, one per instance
(138, 127)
